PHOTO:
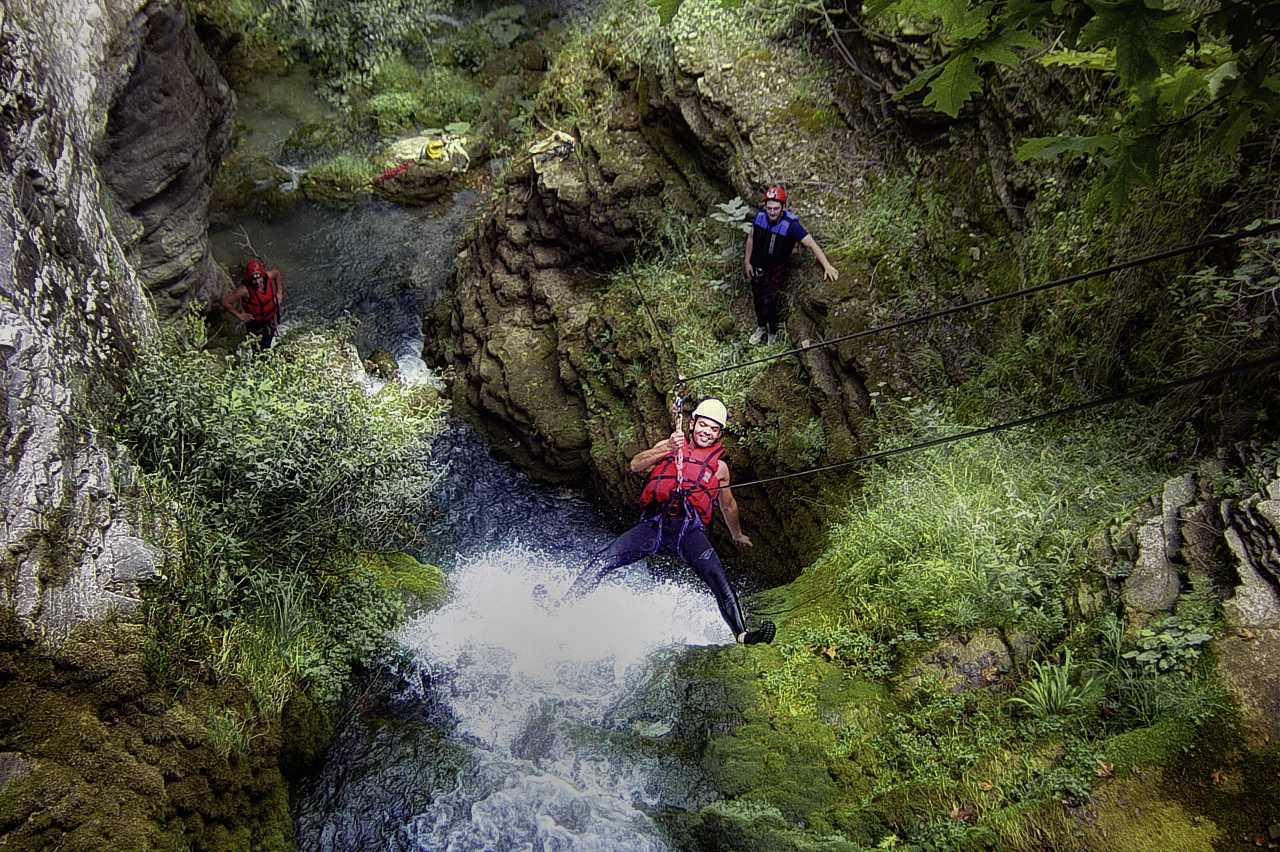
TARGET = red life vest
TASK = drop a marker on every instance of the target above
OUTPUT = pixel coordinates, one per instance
(701, 488)
(262, 305)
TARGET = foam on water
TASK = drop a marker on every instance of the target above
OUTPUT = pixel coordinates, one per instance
(530, 679)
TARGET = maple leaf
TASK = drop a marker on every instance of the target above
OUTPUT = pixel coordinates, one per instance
(1147, 41)
(1047, 147)
(955, 83)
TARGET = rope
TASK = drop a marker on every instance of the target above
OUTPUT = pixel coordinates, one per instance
(652, 320)
(990, 300)
(1152, 390)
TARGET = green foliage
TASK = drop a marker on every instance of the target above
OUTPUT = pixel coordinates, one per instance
(394, 111)
(983, 533)
(475, 43)
(1231, 310)
(350, 41)
(688, 284)
(346, 173)
(1182, 71)
(733, 214)
(1058, 689)
(275, 470)
(1170, 645)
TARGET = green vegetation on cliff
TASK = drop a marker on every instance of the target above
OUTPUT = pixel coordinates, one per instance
(946, 675)
(280, 470)
(279, 491)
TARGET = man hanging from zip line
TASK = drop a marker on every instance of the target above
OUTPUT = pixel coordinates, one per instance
(257, 301)
(774, 233)
(686, 481)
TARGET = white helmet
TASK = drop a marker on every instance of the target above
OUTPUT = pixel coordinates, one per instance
(712, 409)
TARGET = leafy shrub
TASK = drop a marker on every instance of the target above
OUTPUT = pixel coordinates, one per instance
(983, 533)
(394, 111)
(350, 41)
(344, 172)
(286, 449)
(1169, 645)
(276, 470)
(475, 43)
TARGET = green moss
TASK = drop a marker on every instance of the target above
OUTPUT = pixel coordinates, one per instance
(400, 572)
(1131, 816)
(812, 119)
(338, 178)
(112, 764)
(55, 560)
(1154, 746)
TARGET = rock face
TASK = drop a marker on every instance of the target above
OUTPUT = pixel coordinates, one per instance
(167, 129)
(1226, 547)
(72, 310)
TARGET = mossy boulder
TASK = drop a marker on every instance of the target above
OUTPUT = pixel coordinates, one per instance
(1130, 815)
(414, 181)
(422, 586)
(99, 756)
(251, 182)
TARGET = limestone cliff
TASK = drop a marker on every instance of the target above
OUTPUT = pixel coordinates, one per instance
(571, 372)
(72, 309)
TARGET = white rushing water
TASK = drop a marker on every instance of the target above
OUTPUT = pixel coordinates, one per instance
(531, 682)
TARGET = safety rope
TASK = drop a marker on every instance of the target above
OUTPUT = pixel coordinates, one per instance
(991, 300)
(1149, 391)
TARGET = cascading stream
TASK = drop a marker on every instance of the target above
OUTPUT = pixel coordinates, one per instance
(542, 713)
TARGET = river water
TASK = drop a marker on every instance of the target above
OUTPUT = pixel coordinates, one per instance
(513, 721)
(508, 720)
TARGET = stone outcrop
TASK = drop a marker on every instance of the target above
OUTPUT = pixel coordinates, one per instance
(1189, 538)
(169, 123)
(72, 310)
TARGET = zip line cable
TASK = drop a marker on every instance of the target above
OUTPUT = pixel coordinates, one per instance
(830, 587)
(1152, 390)
(990, 300)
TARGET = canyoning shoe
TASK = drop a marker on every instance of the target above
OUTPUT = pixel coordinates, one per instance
(773, 338)
(757, 336)
(761, 635)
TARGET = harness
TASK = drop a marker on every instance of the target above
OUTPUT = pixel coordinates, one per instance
(690, 494)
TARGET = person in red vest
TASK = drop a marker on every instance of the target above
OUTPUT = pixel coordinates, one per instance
(257, 300)
(678, 506)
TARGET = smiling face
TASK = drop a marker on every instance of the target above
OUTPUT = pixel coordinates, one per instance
(773, 209)
(706, 432)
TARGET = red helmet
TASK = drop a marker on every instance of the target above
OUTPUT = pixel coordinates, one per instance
(254, 266)
(777, 192)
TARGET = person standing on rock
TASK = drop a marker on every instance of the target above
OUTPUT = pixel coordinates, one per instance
(257, 301)
(767, 259)
(687, 480)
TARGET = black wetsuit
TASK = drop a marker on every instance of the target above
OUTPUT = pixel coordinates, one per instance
(662, 534)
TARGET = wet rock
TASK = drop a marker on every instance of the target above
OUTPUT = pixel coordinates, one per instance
(1178, 493)
(167, 129)
(13, 767)
(1254, 602)
(417, 183)
(1154, 585)
(72, 311)
(1250, 663)
(964, 663)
